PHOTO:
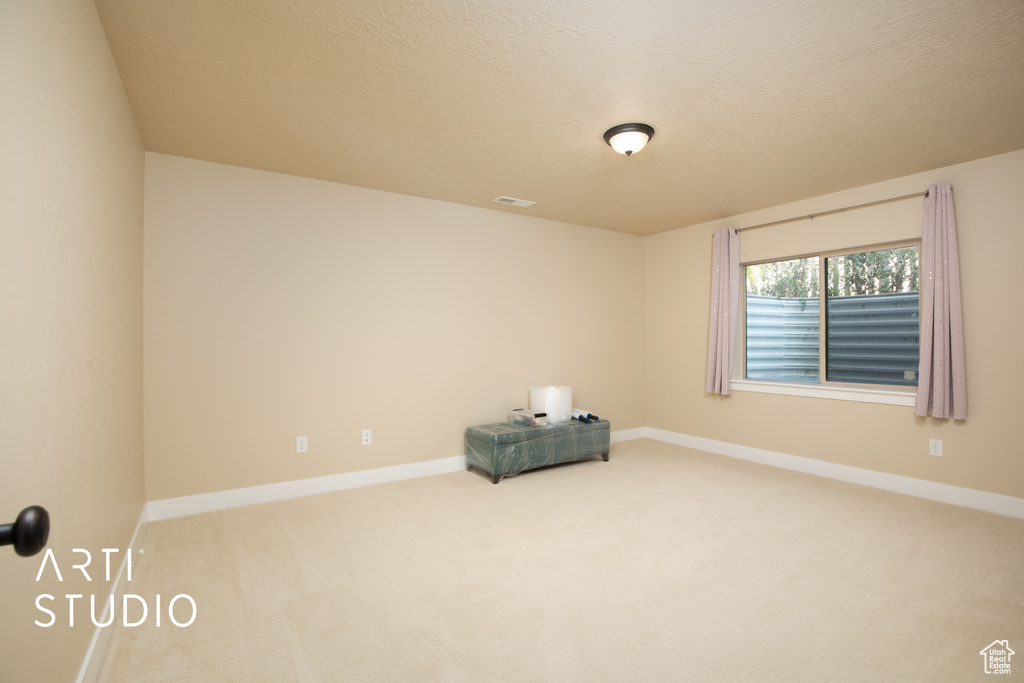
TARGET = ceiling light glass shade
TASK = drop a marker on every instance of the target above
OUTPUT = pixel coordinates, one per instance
(628, 137)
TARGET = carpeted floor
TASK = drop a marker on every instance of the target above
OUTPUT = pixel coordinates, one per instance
(664, 564)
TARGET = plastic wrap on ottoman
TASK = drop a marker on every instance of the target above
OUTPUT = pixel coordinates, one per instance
(506, 448)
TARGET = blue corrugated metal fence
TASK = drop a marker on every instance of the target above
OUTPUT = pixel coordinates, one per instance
(872, 339)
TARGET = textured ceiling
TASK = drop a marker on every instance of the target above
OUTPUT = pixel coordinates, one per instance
(755, 102)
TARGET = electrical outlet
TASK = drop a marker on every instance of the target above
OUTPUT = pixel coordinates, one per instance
(367, 437)
(301, 445)
(934, 446)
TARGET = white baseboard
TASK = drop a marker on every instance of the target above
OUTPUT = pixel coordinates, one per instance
(629, 434)
(220, 500)
(943, 493)
(90, 669)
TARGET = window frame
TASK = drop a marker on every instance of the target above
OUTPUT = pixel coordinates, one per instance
(846, 391)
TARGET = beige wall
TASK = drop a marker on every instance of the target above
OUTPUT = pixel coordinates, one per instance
(981, 453)
(71, 183)
(278, 306)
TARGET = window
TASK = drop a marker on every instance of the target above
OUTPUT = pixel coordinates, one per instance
(869, 303)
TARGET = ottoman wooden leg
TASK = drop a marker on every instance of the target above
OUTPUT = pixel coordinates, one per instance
(495, 478)
(604, 456)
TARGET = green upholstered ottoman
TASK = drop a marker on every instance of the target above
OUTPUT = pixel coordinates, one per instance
(506, 448)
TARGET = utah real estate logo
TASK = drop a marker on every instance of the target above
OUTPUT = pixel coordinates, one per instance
(997, 657)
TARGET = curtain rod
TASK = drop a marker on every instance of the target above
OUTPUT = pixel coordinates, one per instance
(812, 216)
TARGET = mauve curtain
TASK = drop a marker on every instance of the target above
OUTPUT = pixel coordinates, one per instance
(942, 385)
(725, 280)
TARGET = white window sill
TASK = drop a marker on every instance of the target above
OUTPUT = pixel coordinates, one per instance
(895, 397)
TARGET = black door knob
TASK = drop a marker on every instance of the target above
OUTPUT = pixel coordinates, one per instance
(29, 532)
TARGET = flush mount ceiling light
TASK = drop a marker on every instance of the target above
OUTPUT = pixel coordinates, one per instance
(627, 138)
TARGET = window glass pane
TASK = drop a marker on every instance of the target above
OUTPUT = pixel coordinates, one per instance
(872, 319)
(782, 320)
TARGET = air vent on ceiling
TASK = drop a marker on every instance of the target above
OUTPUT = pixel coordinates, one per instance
(512, 201)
